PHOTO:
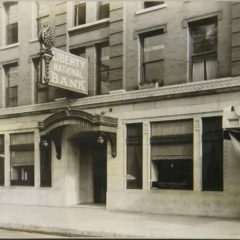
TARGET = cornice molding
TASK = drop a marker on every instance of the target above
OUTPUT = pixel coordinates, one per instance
(128, 97)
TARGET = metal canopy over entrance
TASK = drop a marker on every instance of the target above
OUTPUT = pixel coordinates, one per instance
(51, 128)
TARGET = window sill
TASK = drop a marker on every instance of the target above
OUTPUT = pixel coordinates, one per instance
(10, 46)
(150, 9)
(33, 40)
(89, 26)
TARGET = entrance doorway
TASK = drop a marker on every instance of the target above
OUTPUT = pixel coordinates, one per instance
(93, 170)
(99, 166)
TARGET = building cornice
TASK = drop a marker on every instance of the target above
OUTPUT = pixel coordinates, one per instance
(119, 97)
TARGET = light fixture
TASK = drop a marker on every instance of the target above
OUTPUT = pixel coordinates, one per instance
(100, 139)
(44, 143)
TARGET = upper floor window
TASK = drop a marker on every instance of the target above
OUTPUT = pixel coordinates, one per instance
(152, 57)
(22, 158)
(103, 10)
(42, 14)
(203, 49)
(102, 68)
(11, 76)
(11, 10)
(148, 4)
(81, 52)
(79, 13)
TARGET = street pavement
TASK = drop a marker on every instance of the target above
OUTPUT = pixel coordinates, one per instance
(99, 222)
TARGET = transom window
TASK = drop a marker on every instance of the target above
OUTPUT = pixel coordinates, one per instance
(152, 56)
(203, 49)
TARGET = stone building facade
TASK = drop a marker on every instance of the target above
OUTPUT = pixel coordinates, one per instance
(151, 135)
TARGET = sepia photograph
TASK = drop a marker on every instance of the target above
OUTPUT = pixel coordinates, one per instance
(120, 119)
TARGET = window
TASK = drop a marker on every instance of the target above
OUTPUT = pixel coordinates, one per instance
(103, 10)
(203, 49)
(45, 163)
(212, 154)
(102, 68)
(81, 52)
(152, 56)
(42, 14)
(172, 154)
(11, 73)
(11, 9)
(22, 159)
(148, 4)
(134, 156)
(79, 13)
(2, 160)
(42, 91)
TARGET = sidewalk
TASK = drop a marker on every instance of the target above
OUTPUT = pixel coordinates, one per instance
(83, 221)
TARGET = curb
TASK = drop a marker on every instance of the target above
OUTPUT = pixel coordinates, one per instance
(64, 232)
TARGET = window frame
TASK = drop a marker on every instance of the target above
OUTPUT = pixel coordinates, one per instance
(5, 24)
(23, 147)
(99, 46)
(76, 12)
(141, 36)
(170, 139)
(203, 56)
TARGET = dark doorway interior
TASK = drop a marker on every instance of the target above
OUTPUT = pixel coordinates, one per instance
(99, 165)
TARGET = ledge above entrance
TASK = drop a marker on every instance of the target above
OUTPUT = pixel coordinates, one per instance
(51, 128)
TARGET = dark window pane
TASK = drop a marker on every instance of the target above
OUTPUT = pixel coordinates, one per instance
(12, 96)
(80, 14)
(204, 38)
(1, 170)
(103, 68)
(148, 4)
(12, 33)
(81, 52)
(22, 159)
(153, 72)
(104, 11)
(1, 144)
(134, 156)
(212, 151)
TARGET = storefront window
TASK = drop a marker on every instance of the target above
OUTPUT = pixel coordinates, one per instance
(172, 154)
(134, 156)
(212, 154)
(22, 159)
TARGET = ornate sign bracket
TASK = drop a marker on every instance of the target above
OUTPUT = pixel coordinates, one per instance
(45, 38)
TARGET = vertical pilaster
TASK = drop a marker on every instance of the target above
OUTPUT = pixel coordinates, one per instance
(197, 154)
(146, 155)
(36, 159)
(7, 160)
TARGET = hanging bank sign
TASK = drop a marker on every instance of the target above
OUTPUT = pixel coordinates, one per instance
(68, 71)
